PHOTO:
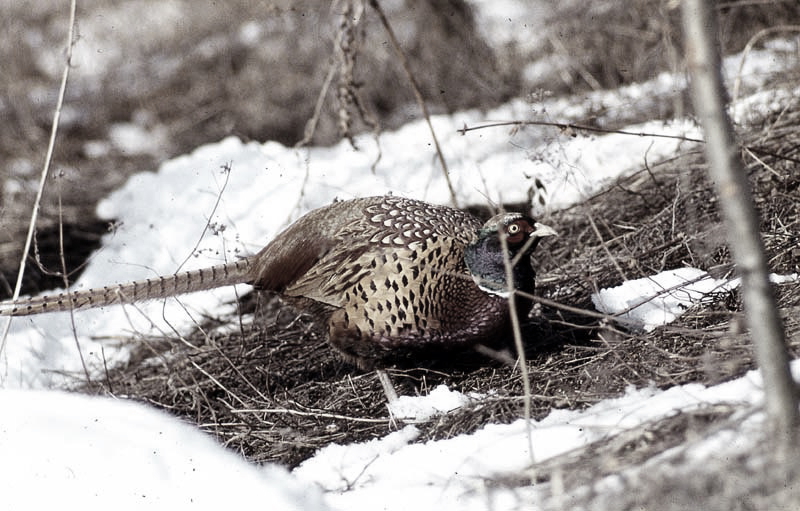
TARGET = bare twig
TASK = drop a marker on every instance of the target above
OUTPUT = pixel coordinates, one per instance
(569, 126)
(574, 63)
(518, 344)
(226, 169)
(418, 94)
(737, 83)
(604, 244)
(311, 124)
(65, 280)
(314, 414)
(45, 171)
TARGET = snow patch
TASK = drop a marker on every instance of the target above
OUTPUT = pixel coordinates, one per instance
(421, 408)
(87, 452)
(657, 300)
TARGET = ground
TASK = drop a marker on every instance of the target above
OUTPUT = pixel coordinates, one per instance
(272, 389)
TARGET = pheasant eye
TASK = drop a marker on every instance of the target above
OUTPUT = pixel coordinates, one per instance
(515, 232)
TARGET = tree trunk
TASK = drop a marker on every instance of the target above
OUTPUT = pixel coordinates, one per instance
(741, 219)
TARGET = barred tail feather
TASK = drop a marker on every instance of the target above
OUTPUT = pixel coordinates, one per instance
(141, 290)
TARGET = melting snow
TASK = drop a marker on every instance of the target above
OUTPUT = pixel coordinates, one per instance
(95, 453)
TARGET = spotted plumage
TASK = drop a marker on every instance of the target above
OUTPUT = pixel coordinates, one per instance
(384, 273)
(395, 272)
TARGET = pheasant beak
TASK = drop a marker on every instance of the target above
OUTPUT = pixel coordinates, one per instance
(541, 231)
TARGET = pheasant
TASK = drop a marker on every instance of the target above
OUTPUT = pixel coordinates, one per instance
(388, 273)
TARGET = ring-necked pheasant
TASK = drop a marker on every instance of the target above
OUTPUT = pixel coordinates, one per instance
(389, 272)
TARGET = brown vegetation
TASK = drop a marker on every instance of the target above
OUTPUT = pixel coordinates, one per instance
(274, 390)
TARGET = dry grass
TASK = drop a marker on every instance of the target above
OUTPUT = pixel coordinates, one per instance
(638, 39)
(275, 390)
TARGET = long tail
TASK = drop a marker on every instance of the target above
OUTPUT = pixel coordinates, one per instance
(149, 289)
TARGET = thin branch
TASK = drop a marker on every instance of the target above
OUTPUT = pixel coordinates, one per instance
(65, 280)
(574, 63)
(226, 169)
(737, 83)
(311, 124)
(569, 126)
(418, 94)
(604, 245)
(518, 344)
(300, 413)
(45, 171)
